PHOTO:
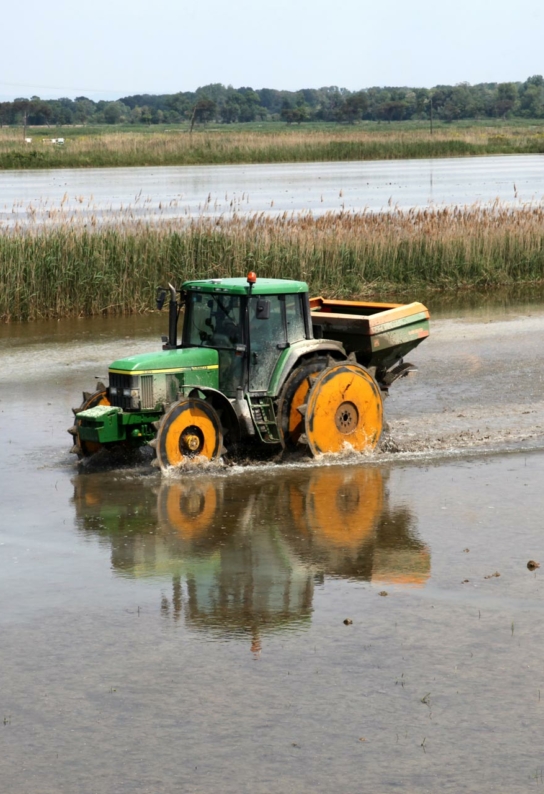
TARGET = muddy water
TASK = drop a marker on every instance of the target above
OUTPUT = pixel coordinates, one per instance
(188, 634)
(176, 192)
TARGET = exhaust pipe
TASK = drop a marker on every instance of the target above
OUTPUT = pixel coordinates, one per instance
(173, 319)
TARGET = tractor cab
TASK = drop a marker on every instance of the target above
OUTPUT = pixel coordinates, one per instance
(250, 324)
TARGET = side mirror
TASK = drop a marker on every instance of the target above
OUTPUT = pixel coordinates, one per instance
(263, 309)
(161, 297)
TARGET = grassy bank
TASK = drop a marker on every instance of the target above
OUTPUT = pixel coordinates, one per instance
(269, 144)
(70, 271)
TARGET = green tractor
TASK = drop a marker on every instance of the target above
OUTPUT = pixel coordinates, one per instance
(258, 362)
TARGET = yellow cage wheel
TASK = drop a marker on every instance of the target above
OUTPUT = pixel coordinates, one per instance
(293, 395)
(85, 449)
(344, 409)
(190, 429)
(342, 507)
(189, 507)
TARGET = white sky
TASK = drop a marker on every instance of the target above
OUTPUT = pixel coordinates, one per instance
(110, 48)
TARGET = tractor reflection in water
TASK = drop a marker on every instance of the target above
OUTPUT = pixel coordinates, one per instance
(245, 553)
(345, 527)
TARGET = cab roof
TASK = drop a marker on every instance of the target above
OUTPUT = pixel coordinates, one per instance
(239, 286)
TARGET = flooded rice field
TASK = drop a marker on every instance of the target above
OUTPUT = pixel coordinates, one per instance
(354, 625)
(155, 193)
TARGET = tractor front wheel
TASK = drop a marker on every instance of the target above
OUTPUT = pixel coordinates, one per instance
(190, 429)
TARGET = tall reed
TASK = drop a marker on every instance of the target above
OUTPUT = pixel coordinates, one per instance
(69, 270)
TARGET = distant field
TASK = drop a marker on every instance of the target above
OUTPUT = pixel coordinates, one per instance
(111, 146)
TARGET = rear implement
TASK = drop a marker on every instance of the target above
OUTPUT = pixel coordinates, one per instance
(378, 333)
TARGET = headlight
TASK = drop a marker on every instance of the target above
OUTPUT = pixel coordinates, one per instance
(134, 395)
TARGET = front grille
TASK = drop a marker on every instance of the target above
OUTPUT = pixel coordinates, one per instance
(147, 391)
(117, 384)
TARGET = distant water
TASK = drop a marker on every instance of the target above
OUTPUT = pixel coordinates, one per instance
(182, 191)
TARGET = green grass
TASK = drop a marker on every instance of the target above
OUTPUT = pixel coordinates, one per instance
(69, 271)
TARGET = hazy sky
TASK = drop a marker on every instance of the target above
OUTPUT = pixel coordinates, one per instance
(109, 48)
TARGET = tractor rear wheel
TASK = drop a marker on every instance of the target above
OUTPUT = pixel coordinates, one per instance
(294, 394)
(84, 449)
(190, 429)
(343, 410)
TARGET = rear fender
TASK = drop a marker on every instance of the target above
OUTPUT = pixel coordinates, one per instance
(303, 350)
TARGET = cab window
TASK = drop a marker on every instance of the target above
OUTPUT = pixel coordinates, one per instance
(213, 321)
(295, 318)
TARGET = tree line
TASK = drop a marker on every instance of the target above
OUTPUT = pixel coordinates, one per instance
(227, 105)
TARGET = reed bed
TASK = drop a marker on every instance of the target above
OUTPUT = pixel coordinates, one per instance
(217, 146)
(71, 270)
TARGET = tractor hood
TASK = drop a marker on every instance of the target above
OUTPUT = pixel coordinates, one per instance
(192, 358)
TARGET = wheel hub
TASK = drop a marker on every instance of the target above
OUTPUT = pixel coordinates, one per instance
(189, 429)
(346, 418)
(191, 440)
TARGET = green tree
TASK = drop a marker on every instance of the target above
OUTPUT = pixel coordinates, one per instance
(352, 108)
(230, 112)
(6, 113)
(146, 114)
(393, 110)
(114, 112)
(331, 100)
(84, 110)
(507, 95)
(39, 112)
(180, 104)
(203, 112)
(532, 97)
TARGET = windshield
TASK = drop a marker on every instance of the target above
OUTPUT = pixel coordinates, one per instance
(212, 321)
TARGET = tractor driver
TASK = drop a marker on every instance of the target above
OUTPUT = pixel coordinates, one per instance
(226, 322)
